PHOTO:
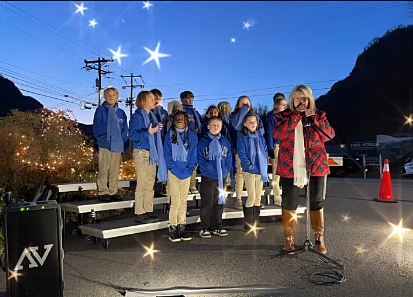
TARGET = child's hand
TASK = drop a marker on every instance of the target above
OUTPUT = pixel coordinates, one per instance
(153, 130)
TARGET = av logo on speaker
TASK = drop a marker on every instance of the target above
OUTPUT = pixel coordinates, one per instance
(32, 250)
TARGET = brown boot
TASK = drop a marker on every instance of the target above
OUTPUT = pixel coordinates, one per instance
(317, 223)
(289, 219)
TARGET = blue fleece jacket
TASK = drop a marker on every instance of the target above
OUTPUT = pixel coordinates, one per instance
(233, 119)
(207, 167)
(248, 165)
(138, 132)
(181, 170)
(271, 120)
(192, 122)
(100, 123)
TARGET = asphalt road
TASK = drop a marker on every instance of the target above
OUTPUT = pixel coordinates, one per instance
(357, 234)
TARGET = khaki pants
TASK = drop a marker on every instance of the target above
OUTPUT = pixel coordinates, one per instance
(145, 178)
(109, 167)
(192, 184)
(254, 185)
(239, 178)
(276, 178)
(178, 191)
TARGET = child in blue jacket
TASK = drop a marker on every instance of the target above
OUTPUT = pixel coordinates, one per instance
(110, 128)
(237, 118)
(145, 134)
(195, 124)
(215, 163)
(180, 150)
(252, 150)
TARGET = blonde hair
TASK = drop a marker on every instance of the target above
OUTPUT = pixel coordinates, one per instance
(224, 108)
(110, 89)
(306, 90)
(174, 106)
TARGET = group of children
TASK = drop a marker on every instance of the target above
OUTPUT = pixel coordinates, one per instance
(168, 146)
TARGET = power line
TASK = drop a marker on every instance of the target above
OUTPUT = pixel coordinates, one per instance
(267, 88)
(35, 82)
(130, 102)
(46, 76)
(257, 76)
(320, 21)
(51, 97)
(97, 65)
(54, 30)
(41, 39)
(45, 25)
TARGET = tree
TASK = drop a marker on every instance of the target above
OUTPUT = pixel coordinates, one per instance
(36, 145)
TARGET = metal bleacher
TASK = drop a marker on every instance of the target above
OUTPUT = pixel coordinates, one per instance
(106, 230)
(117, 228)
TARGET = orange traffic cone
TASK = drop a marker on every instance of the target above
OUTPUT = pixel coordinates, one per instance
(385, 194)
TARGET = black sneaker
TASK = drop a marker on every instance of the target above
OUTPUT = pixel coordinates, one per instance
(153, 216)
(115, 197)
(204, 234)
(141, 218)
(220, 232)
(183, 233)
(104, 198)
(174, 234)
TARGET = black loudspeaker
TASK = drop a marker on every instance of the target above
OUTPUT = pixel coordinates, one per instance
(34, 254)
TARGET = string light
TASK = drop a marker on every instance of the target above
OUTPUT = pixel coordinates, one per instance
(127, 170)
(66, 152)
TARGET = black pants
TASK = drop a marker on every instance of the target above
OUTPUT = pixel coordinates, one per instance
(211, 212)
(290, 193)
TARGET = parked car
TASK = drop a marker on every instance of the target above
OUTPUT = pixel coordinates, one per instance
(407, 169)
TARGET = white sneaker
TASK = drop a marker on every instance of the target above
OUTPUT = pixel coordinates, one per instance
(204, 234)
(220, 232)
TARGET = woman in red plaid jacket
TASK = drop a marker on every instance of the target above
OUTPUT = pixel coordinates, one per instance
(290, 128)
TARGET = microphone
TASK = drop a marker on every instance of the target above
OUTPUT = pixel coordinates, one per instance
(309, 120)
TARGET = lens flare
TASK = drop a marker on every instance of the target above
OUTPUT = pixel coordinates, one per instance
(254, 229)
(150, 251)
(398, 230)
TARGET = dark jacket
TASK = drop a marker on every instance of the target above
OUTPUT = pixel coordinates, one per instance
(271, 120)
(190, 110)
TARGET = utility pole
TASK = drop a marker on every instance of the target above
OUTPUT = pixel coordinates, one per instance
(97, 65)
(130, 102)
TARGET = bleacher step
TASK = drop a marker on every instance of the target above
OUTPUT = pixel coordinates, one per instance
(116, 228)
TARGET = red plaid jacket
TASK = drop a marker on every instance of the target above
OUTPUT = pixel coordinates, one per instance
(286, 122)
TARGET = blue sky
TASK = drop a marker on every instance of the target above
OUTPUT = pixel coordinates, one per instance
(44, 44)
